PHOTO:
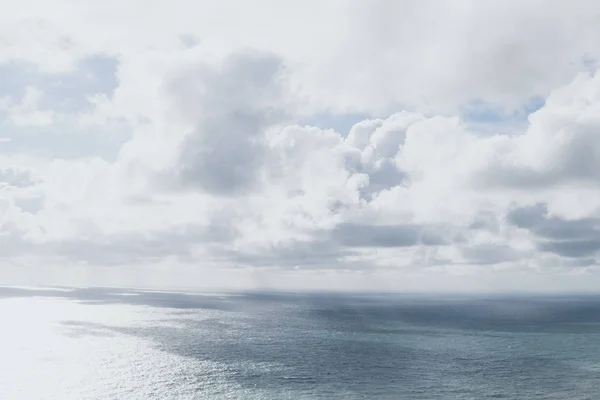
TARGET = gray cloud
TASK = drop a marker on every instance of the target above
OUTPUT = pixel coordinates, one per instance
(490, 253)
(485, 221)
(572, 248)
(527, 217)
(331, 249)
(516, 177)
(314, 253)
(224, 162)
(326, 249)
(384, 175)
(362, 235)
(231, 109)
(568, 238)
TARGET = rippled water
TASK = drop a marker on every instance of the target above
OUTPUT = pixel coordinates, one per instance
(124, 344)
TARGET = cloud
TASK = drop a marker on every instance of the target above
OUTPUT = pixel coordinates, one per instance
(560, 145)
(230, 111)
(413, 52)
(576, 238)
(390, 139)
(58, 114)
(395, 54)
(359, 235)
(491, 253)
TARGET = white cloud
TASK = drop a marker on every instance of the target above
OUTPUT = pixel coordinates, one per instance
(219, 178)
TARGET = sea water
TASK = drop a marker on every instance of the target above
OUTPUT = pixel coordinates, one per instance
(96, 343)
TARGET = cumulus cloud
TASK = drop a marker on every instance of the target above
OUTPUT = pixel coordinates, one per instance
(560, 145)
(230, 111)
(218, 169)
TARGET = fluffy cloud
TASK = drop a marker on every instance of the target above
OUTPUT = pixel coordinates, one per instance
(229, 110)
(215, 171)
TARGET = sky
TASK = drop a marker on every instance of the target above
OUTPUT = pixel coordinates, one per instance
(352, 145)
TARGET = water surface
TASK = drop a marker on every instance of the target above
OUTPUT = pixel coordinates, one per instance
(97, 343)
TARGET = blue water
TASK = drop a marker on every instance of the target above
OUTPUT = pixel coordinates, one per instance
(325, 346)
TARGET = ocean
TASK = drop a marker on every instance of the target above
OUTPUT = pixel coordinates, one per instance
(100, 343)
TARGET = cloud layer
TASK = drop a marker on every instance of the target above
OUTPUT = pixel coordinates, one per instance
(181, 156)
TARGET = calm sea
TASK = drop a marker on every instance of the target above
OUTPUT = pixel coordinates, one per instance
(126, 344)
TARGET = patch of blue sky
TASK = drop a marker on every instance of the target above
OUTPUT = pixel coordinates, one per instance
(57, 141)
(589, 63)
(65, 92)
(485, 117)
(480, 115)
(189, 41)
